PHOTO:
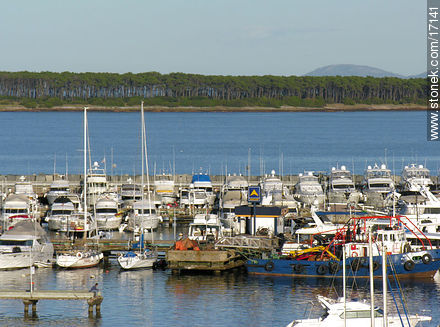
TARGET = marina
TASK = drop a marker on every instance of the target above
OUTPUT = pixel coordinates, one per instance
(210, 244)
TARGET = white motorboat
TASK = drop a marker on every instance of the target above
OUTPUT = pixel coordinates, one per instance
(341, 188)
(164, 188)
(353, 314)
(201, 185)
(79, 259)
(107, 215)
(60, 213)
(190, 197)
(130, 193)
(415, 176)
(58, 188)
(24, 245)
(205, 227)
(96, 183)
(308, 190)
(137, 260)
(275, 193)
(16, 207)
(233, 194)
(143, 216)
(422, 208)
(377, 184)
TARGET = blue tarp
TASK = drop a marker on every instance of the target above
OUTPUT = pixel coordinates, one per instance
(200, 178)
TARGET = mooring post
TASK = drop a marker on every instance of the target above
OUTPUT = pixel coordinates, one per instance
(26, 308)
(34, 308)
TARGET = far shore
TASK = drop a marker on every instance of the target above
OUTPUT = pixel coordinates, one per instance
(328, 108)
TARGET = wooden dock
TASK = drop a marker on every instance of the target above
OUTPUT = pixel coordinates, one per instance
(107, 245)
(31, 298)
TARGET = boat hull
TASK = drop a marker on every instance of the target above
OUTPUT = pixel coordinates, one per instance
(355, 267)
(78, 260)
(136, 262)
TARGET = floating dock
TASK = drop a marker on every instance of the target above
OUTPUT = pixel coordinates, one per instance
(205, 260)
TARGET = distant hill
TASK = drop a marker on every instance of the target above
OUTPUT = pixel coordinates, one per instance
(356, 70)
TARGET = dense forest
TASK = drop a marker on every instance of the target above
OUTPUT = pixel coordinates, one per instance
(48, 89)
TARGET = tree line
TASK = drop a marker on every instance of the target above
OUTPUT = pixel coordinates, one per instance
(179, 89)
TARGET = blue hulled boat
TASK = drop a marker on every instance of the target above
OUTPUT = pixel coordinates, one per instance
(324, 261)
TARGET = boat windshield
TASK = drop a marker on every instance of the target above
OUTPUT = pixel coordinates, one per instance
(15, 243)
(107, 210)
(356, 314)
(16, 211)
(61, 212)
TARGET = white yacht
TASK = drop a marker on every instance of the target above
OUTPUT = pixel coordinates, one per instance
(414, 176)
(275, 193)
(205, 227)
(353, 314)
(130, 193)
(234, 193)
(59, 213)
(377, 184)
(190, 197)
(96, 183)
(107, 214)
(24, 245)
(59, 187)
(308, 190)
(164, 188)
(341, 188)
(201, 184)
(16, 207)
(422, 208)
(143, 216)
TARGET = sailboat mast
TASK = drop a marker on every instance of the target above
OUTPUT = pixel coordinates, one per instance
(146, 159)
(85, 171)
(370, 250)
(385, 286)
(142, 154)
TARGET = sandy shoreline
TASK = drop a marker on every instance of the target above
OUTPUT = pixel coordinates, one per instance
(328, 108)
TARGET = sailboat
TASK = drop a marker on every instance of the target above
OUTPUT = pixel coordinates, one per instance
(143, 215)
(82, 258)
(345, 313)
(142, 258)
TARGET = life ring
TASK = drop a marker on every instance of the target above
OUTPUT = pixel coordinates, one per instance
(269, 266)
(298, 268)
(426, 258)
(322, 269)
(409, 265)
(354, 254)
(79, 255)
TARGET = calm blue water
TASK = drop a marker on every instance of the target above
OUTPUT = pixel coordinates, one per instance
(216, 142)
(159, 298)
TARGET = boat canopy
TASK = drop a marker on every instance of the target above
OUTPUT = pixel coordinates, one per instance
(200, 178)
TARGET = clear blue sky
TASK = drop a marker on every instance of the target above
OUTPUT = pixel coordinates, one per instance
(228, 37)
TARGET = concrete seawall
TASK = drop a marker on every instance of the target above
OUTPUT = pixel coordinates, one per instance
(42, 182)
